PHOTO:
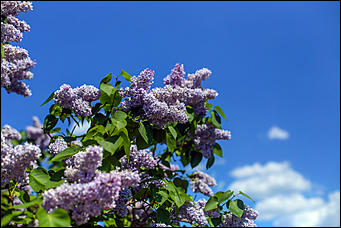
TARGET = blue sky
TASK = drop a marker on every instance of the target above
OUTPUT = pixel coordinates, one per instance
(276, 67)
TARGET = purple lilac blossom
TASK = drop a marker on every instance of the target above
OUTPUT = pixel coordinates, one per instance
(84, 200)
(16, 63)
(192, 212)
(176, 77)
(14, 160)
(58, 146)
(205, 137)
(36, 133)
(85, 164)
(78, 99)
(168, 104)
(138, 159)
(201, 183)
(14, 7)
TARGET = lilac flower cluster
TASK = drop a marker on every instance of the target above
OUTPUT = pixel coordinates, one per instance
(121, 206)
(84, 165)
(16, 63)
(77, 99)
(168, 104)
(193, 212)
(58, 146)
(83, 200)
(201, 183)
(230, 220)
(14, 160)
(138, 159)
(205, 137)
(36, 133)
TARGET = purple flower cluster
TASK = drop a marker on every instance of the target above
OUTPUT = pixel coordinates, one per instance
(205, 137)
(58, 146)
(77, 99)
(193, 212)
(121, 206)
(36, 133)
(14, 160)
(201, 183)
(230, 220)
(138, 159)
(84, 165)
(83, 200)
(168, 104)
(249, 214)
(16, 63)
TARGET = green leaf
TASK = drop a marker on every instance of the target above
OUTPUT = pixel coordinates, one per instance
(162, 215)
(48, 99)
(36, 201)
(217, 150)
(113, 145)
(119, 115)
(143, 132)
(216, 221)
(196, 158)
(210, 162)
(220, 111)
(38, 178)
(211, 204)
(6, 219)
(50, 122)
(242, 193)
(68, 152)
(208, 105)
(126, 75)
(58, 218)
(214, 120)
(2, 50)
(106, 79)
(171, 143)
(236, 207)
(108, 89)
(172, 131)
(121, 124)
(222, 196)
(181, 183)
(164, 196)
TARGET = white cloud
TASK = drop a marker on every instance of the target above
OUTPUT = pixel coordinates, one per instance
(278, 133)
(279, 193)
(261, 181)
(81, 129)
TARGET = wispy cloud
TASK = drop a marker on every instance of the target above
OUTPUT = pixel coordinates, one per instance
(280, 193)
(278, 133)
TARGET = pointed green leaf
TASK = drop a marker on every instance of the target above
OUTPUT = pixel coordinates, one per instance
(48, 99)
(143, 132)
(242, 193)
(211, 204)
(217, 150)
(220, 111)
(106, 79)
(236, 207)
(171, 143)
(172, 131)
(58, 218)
(126, 75)
(50, 122)
(119, 115)
(68, 152)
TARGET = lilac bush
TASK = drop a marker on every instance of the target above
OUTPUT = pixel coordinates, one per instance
(122, 170)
